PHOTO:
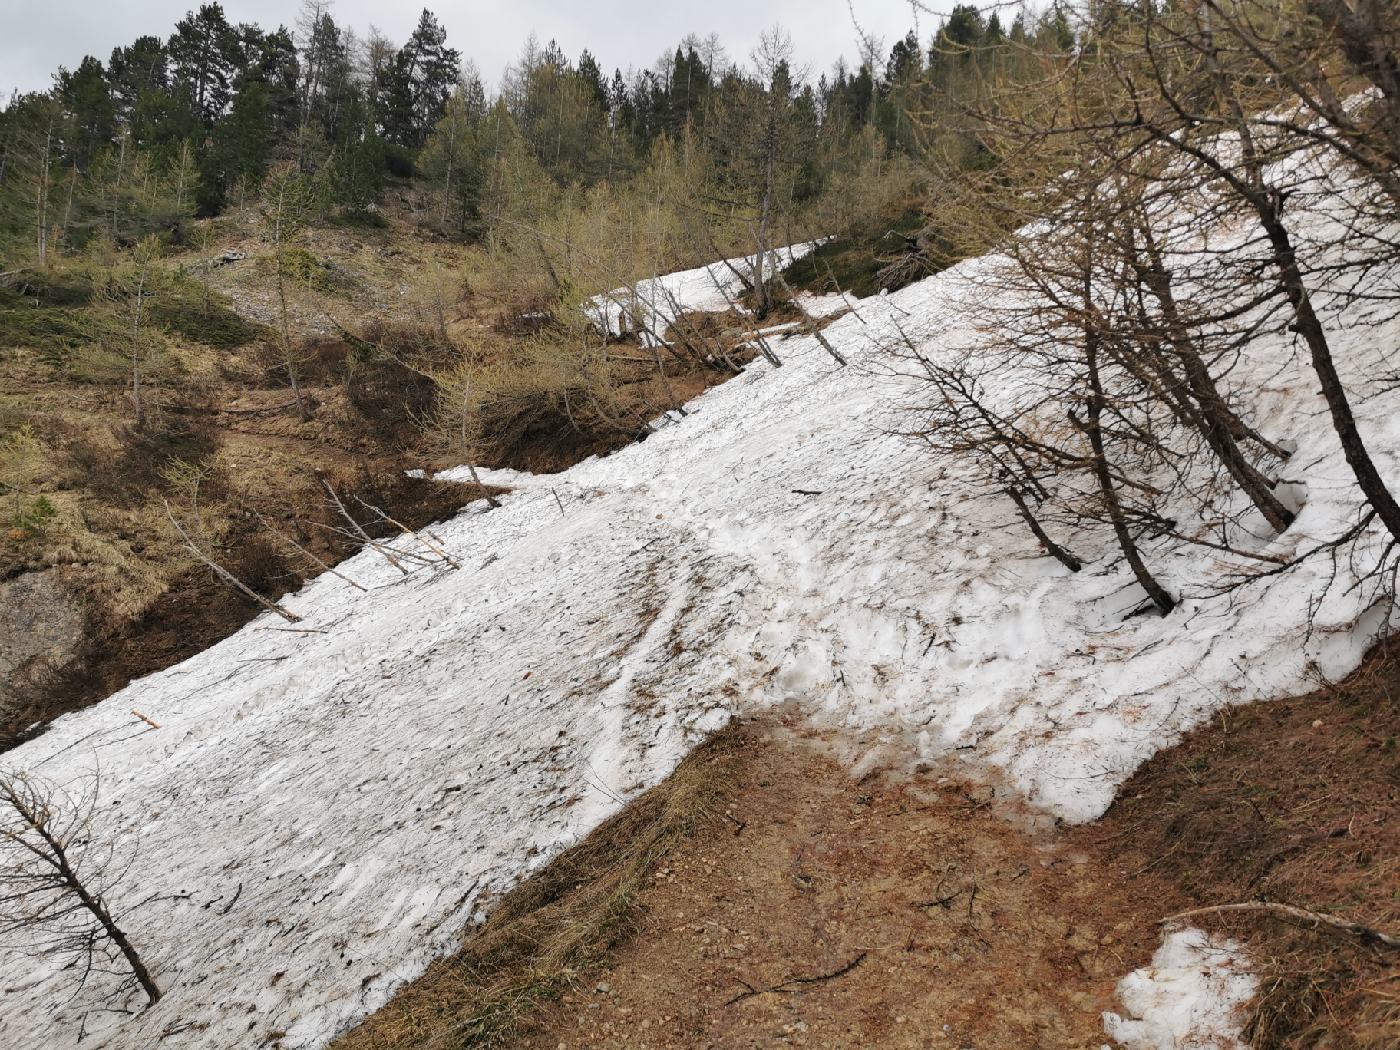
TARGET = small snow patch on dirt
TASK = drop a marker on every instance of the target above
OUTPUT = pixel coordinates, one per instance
(1190, 998)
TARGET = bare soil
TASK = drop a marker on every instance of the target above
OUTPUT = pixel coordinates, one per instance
(901, 911)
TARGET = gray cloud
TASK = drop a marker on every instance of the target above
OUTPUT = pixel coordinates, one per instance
(38, 36)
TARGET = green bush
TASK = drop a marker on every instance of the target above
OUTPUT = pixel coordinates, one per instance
(359, 218)
(48, 288)
(34, 515)
(301, 267)
(52, 333)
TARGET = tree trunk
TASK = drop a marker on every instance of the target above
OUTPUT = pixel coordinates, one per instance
(1060, 554)
(137, 401)
(1209, 412)
(1093, 429)
(1309, 326)
(57, 857)
(41, 199)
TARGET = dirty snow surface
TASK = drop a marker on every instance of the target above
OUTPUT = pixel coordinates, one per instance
(1190, 998)
(326, 806)
(650, 306)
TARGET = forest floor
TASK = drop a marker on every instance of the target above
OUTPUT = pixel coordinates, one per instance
(765, 896)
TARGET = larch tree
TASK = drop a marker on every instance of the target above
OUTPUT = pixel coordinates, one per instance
(290, 200)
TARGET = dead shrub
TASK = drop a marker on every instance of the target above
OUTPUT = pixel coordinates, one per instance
(259, 564)
(323, 360)
(392, 396)
(526, 319)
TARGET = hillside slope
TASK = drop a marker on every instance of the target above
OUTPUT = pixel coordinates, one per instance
(327, 805)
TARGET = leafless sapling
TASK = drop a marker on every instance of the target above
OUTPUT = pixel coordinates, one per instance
(56, 873)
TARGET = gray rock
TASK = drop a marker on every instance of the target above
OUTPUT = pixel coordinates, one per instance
(41, 631)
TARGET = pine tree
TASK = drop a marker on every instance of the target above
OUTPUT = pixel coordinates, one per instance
(87, 102)
(418, 83)
(136, 70)
(453, 158)
(205, 56)
(271, 59)
(589, 72)
(240, 147)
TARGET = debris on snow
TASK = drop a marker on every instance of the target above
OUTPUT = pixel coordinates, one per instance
(650, 308)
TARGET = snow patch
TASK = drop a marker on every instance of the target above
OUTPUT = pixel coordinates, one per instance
(821, 306)
(1190, 998)
(502, 476)
(650, 308)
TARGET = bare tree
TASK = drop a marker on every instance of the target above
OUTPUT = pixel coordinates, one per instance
(771, 60)
(41, 196)
(1118, 308)
(147, 252)
(57, 872)
(290, 199)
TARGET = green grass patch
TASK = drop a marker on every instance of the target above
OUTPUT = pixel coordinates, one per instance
(50, 288)
(55, 334)
(359, 219)
(301, 267)
(63, 321)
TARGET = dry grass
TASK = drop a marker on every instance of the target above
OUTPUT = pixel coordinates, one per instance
(546, 934)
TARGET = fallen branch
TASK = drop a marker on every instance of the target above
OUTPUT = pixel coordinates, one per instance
(294, 545)
(223, 574)
(810, 325)
(150, 722)
(436, 548)
(1365, 933)
(359, 530)
(792, 984)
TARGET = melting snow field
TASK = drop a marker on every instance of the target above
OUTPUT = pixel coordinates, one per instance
(324, 811)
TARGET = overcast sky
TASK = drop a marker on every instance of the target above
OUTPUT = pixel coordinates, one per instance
(38, 36)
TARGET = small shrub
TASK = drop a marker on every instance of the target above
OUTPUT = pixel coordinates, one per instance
(31, 518)
(398, 161)
(140, 461)
(301, 267)
(182, 311)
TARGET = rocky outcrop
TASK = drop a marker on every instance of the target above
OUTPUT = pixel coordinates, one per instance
(41, 632)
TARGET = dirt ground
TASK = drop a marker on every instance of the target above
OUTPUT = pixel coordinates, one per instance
(763, 896)
(897, 911)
